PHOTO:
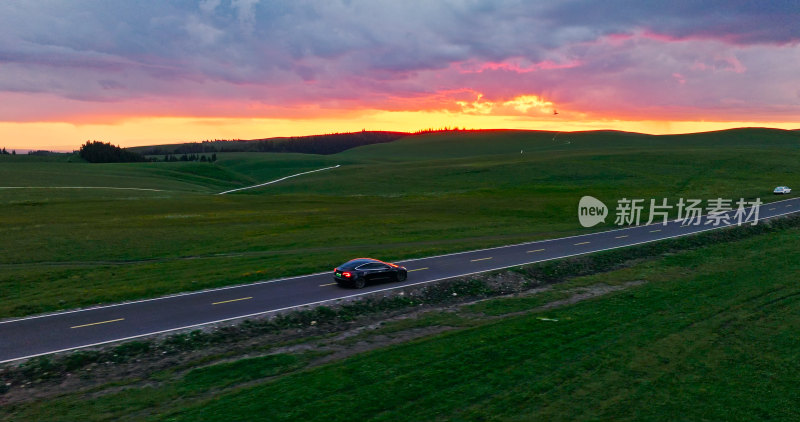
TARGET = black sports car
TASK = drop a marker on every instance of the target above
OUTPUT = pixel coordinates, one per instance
(357, 272)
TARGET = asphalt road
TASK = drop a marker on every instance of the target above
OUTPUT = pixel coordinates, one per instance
(44, 334)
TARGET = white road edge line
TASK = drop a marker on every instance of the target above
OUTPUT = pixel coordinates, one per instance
(360, 294)
(278, 180)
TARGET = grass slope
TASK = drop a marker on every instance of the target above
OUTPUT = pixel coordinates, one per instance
(705, 333)
(417, 196)
(691, 344)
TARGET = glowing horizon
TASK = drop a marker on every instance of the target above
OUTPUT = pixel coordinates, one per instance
(234, 69)
(173, 130)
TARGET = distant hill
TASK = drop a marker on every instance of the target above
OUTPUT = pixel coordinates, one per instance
(315, 144)
(467, 140)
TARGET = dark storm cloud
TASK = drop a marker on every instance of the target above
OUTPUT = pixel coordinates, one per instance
(740, 22)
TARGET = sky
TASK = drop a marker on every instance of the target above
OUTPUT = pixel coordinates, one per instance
(152, 71)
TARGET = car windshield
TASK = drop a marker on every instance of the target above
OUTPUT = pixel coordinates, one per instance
(349, 265)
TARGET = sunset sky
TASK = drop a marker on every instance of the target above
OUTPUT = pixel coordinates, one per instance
(147, 72)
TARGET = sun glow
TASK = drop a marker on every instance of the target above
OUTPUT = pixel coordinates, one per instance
(521, 103)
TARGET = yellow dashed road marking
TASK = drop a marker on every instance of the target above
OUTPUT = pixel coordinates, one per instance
(232, 300)
(97, 323)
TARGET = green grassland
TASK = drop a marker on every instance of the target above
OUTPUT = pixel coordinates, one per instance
(417, 196)
(705, 334)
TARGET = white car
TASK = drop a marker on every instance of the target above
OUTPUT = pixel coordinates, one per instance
(781, 190)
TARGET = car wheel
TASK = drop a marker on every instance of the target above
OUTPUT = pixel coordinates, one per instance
(359, 283)
(401, 276)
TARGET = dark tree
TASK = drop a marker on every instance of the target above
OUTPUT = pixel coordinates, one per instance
(104, 152)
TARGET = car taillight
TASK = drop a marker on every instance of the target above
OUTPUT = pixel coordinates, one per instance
(346, 275)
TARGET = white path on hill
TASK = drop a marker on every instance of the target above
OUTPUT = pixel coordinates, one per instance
(277, 180)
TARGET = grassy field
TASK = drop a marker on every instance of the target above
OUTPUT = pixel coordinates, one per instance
(706, 334)
(421, 195)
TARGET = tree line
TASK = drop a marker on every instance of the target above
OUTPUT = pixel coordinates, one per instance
(326, 144)
(39, 152)
(168, 158)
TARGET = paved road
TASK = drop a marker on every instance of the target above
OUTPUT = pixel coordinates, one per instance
(62, 331)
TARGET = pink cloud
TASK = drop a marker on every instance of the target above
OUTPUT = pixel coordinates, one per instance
(728, 63)
(515, 65)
